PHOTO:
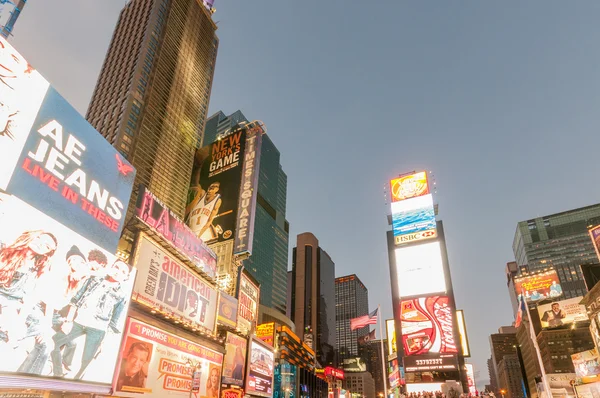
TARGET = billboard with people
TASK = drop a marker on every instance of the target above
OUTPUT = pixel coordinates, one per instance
(540, 286)
(561, 313)
(235, 360)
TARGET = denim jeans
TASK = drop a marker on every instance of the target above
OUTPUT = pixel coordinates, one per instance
(93, 341)
(36, 360)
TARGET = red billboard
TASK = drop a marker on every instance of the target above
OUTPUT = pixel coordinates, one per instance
(427, 326)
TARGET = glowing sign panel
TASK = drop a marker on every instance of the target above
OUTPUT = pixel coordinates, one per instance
(420, 269)
(414, 219)
(409, 186)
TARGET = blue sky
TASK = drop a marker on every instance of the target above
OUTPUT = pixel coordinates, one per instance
(499, 99)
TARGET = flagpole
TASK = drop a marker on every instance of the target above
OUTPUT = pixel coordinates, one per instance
(533, 337)
(383, 368)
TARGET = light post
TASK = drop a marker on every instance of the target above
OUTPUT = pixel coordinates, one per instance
(195, 365)
(503, 391)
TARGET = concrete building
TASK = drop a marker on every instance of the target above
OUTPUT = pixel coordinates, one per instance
(504, 344)
(360, 383)
(371, 351)
(509, 377)
(351, 301)
(493, 386)
(151, 98)
(313, 298)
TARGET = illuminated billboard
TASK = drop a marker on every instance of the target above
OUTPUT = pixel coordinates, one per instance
(228, 308)
(354, 365)
(561, 313)
(471, 378)
(427, 363)
(50, 273)
(248, 299)
(163, 221)
(390, 329)
(54, 160)
(595, 235)
(156, 363)
(427, 326)
(259, 380)
(266, 332)
(413, 219)
(168, 285)
(222, 196)
(462, 333)
(420, 269)
(409, 186)
(587, 365)
(545, 285)
(235, 360)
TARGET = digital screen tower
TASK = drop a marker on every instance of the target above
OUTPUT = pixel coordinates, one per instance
(426, 325)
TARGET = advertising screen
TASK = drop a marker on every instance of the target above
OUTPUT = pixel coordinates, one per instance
(586, 364)
(471, 378)
(409, 186)
(352, 365)
(462, 332)
(54, 160)
(561, 313)
(164, 222)
(155, 363)
(420, 270)
(595, 235)
(228, 307)
(430, 362)
(427, 326)
(393, 373)
(537, 287)
(247, 302)
(414, 219)
(234, 366)
(390, 329)
(168, 285)
(266, 332)
(259, 380)
(64, 299)
(223, 189)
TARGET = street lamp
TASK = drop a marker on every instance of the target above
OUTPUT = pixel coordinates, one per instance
(503, 391)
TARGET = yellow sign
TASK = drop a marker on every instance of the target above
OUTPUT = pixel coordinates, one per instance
(266, 332)
(390, 329)
(409, 186)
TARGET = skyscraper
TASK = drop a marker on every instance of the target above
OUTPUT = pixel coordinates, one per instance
(351, 301)
(313, 299)
(505, 370)
(558, 241)
(372, 354)
(269, 260)
(152, 95)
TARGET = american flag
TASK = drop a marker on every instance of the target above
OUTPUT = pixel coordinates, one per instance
(362, 321)
(365, 339)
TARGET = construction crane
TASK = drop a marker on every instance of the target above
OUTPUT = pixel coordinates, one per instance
(8, 27)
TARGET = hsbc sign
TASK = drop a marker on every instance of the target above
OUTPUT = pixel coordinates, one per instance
(431, 234)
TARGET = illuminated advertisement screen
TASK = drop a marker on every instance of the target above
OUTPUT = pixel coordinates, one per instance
(537, 287)
(248, 296)
(156, 363)
(168, 285)
(266, 332)
(587, 365)
(414, 219)
(462, 332)
(594, 330)
(561, 313)
(393, 373)
(355, 365)
(222, 195)
(427, 363)
(64, 299)
(234, 365)
(471, 378)
(163, 221)
(427, 326)
(409, 186)
(228, 307)
(54, 160)
(259, 380)
(595, 235)
(390, 329)
(420, 269)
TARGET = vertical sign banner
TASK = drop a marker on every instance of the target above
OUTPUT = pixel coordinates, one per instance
(266, 332)
(166, 284)
(214, 192)
(247, 303)
(462, 333)
(595, 235)
(162, 220)
(54, 160)
(427, 326)
(228, 308)
(249, 191)
(259, 380)
(235, 360)
(390, 329)
(48, 272)
(471, 378)
(155, 363)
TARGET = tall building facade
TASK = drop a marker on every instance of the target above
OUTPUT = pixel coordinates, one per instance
(313, 298)
(560, 241)
(269, 260)
(152, 95)
(505, 370)
(361, 383)
(509, 377)
(372, 354)
(351, 301)
(493, 386)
